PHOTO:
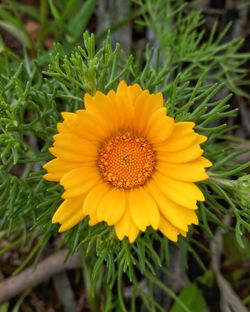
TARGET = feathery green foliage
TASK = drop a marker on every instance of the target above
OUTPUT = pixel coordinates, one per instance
(190, 69)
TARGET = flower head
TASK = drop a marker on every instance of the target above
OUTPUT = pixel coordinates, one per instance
(122, 160)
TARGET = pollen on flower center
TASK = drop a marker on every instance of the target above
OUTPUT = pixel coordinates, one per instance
(126, 160)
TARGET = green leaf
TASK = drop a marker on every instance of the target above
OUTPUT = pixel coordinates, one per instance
(234, 252)
(4, 307)
(192, 297)
(78, 24)
(70, 8)
(54, 10)
(16, 32)
(9, 18)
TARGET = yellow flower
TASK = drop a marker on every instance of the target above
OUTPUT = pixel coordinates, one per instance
(122, 160)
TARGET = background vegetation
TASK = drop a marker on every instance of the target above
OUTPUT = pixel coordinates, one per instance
(51, 53)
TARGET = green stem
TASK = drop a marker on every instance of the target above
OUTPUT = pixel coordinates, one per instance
(119, 289)
(222, 182)
(169, 291)
(28, 259)
(10, 246)
(43, 20)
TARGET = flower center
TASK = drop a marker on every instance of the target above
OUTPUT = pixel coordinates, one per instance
(126, 160)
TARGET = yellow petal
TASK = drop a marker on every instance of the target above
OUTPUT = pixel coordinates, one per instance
(169, 230)
(72, 221)
(70, 147)
(93, 200)
(123, 109)
(174, 145)
(190, 189)
(100, 106)
(122, 88)
(68, 125)
(115, 110)
(182, 156)
(62, 128)
(133, 92)
(68, 210)
(204, 162)
(112, 206)
(143, 209)
(67, 116)
(201, 139)
(130, 93)
(133, 233)
(159, 126)
(96, 103)
(183, 233)
(177, 215)
(79, 181)
(145, 105)
(183, 193)
(182, 128)
(57, 168)
(189, 172)
(91, 126)
(126, 227)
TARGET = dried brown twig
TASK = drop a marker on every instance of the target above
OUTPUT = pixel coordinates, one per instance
(229, 299)
(50, 266)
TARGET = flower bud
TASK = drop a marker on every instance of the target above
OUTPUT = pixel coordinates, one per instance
(242, 190)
